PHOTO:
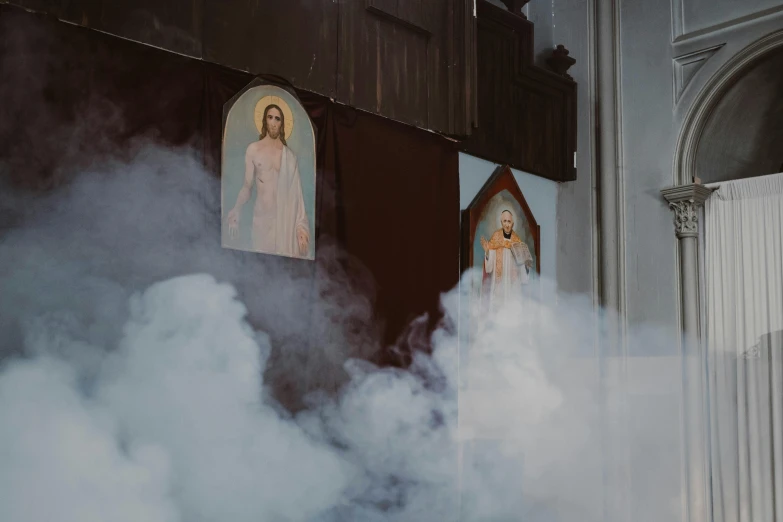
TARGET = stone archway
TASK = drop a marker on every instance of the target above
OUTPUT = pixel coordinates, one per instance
(742, 135)
(732, 130)
(713, 143)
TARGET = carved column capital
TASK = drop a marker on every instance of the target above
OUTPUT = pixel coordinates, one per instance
(686, 218)
(685, 201)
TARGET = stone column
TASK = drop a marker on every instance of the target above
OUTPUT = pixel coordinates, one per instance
(609, 136)
(686, 201)
(611, 235)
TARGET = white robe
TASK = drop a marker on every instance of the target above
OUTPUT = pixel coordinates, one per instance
(275, 229)
(508, 289)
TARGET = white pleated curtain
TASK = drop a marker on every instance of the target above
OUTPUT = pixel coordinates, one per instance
(743, 275)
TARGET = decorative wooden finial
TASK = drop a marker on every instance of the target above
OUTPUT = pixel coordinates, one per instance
(515, 6)
(560, 62)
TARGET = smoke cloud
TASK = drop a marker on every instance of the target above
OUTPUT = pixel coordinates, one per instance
(148, 374)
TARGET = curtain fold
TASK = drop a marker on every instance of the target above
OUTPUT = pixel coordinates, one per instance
(744, 323)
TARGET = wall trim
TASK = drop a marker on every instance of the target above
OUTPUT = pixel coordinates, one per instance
(687, 65)
(678, 20)
(611, 212)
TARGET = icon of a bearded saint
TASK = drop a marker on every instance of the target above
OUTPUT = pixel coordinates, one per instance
(507, 264)
(280, 223)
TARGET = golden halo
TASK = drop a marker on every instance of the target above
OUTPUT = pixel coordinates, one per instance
(288, 116)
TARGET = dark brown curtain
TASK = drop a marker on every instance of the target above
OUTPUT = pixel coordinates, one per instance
(387, 194)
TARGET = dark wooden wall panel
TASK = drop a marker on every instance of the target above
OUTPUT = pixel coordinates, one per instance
(386, 6)
(537, 108)
(295, 39)
(462, 73)
(82, 13)
(169, 24)
(540, 137)
(409, 60)
(415, 12)
(436, 17)
(428, 63)
(387, 72)
(400, 51)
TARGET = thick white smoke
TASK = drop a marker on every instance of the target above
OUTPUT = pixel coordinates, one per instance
(132, 385)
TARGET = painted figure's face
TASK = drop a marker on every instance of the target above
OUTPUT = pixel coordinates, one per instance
(507, 222)
(274, 122)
